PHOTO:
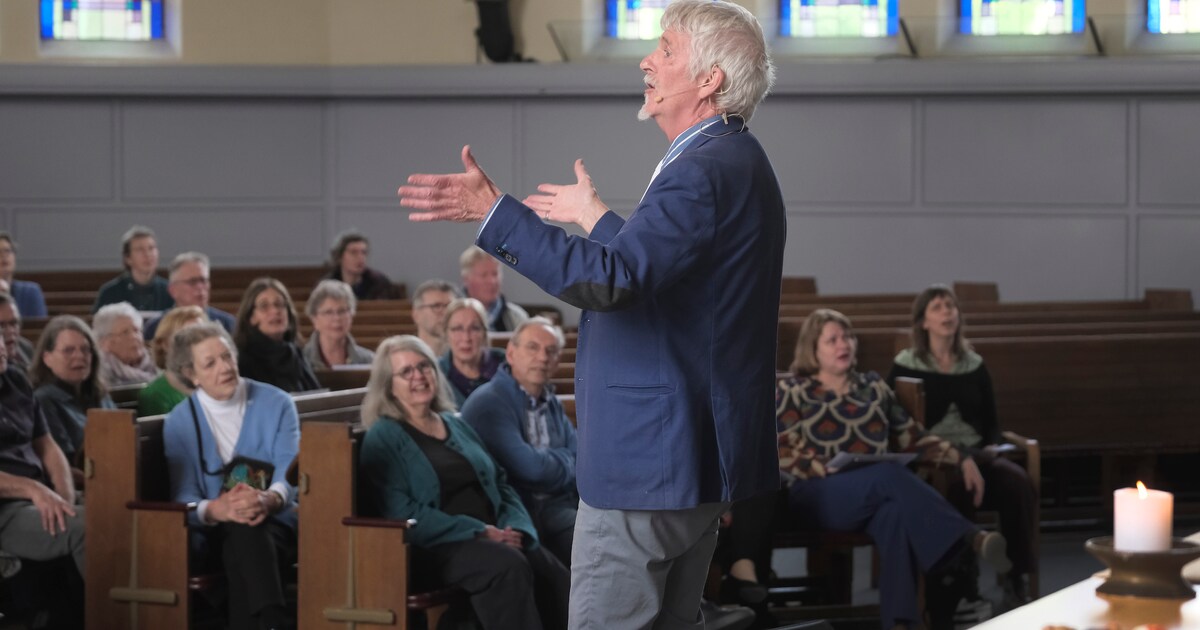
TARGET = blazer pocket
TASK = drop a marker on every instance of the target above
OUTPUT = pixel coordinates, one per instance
(634, 455)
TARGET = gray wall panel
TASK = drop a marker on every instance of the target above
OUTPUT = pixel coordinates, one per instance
(1030, 151)
(857, 252)
(222, 150)
(1167, 253)
(380, 144)
(620, 152)
(230, 236)
(56, 150)
(1168, 141)
(840, 151)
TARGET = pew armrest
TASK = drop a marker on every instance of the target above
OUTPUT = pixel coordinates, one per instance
(1033, 456)
(391, 523)
(160, 506)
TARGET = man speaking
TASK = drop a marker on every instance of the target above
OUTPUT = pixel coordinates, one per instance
(676, 359)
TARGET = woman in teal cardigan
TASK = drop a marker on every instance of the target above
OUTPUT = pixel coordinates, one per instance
(420, 461)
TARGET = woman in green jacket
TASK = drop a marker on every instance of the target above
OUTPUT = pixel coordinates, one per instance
(420, 461)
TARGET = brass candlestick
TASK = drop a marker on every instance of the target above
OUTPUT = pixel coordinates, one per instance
(1155, 574)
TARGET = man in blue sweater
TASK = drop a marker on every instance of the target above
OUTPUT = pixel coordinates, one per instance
(524, 428)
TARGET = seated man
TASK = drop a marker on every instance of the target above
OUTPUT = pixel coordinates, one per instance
(428, 309)
(482, 279)
(188, 283)
(523, 426)
(20, 349)
(38, 516)
(348, 263)
(140, 284)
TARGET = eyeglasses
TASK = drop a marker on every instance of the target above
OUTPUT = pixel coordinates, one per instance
(410, 372)
(471, 330)
(198, 281)
(269, 306)
(334, 312)
(69, 351)
(10, 325)
(436, 306)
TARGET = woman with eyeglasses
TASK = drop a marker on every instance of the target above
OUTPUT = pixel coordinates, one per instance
(67, 380)
(331, 308)
(124, 359)
(267, 340)
(419, 460)
(471, 362)
(228, 448)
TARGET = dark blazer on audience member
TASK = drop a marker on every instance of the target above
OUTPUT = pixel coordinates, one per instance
(675, 369)
(214, 314)
(497, 412)
(29, 298)
(143, 297)
(373, 286)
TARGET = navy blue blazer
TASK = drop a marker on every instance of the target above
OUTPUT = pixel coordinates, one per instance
(675, 369)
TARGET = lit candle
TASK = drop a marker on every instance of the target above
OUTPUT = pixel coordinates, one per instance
(1142, 519)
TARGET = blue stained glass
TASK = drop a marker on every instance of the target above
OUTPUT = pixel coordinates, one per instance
(112, 20)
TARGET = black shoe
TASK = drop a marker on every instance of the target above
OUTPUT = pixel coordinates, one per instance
(725, 617)
(743, 591)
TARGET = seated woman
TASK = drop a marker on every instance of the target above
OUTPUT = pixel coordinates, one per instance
(27, 294)
(123, 356)
(826, 408)
(471, 362)
(330, 308)
(67, 380)
(168, 390)
(266, 338)
(961, 409)
(348, 263)
(228, 448)
(420, 460)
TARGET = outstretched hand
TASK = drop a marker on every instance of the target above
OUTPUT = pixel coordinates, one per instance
(575, 203)
(461, 197)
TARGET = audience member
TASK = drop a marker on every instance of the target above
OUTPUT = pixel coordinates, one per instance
(20, 349)
(419, 460)
(140, 284)
(429, 308)
(331, 308)
(39, 518)
(228, 449)
(168, 390)
(67, 380)
(348, 257)
(961, 408)
(471, 362)
(123, 356)
(482, 278)
(824, 408)
(523, 426)
(267, 339)
(28, 295)
(188, 283)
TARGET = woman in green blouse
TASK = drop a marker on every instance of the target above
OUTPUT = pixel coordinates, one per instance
(166, 391)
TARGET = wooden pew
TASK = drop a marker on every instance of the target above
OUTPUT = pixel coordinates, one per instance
(137, 570)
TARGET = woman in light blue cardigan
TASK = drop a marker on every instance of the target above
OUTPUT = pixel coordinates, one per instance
(228, 448)
(419, 460)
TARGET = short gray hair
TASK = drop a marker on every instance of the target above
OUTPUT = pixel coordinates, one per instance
(9, 300)
(106, 318)
(180, 355)
(436, 284)
(469, 257)
(185, 258)
(538, 321)
(727, 36)
(379, 402)
(330, 290)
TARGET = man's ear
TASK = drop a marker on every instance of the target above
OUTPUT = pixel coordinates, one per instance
(712, 86)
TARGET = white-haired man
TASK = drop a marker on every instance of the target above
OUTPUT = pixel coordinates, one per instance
(675, 369)
(189, 285)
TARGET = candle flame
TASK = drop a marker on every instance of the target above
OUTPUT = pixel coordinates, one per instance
(1141, 490)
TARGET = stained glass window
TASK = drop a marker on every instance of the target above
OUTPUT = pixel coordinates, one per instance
(1022, 17)
(1173, 16)
(634, 19)
(111, 20)
(837, 18)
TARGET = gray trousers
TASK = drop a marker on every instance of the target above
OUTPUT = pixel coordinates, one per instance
(22, 534)
(641, 569)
